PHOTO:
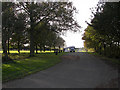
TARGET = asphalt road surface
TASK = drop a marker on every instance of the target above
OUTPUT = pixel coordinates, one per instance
(77, 70)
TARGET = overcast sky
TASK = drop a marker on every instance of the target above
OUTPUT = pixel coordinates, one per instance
(84, 14)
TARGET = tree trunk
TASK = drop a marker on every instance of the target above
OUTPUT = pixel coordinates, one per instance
(119, 49)
(44, 48)
(59, 49)
(95, 49)
(5, 50)
(31, 44)
(18, 47)
(104, 46)
(36, 50)
(99, 47)
(100, 50)
(50, 48)
(54, 49)
(110, 50)
(32, 48)
(8, 45)
(40, 49)
(4, 46)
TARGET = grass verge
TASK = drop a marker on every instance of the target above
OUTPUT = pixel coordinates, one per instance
(22, 67)
(109, 60)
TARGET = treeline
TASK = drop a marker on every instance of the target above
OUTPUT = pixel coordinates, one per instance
(35, 24)
(103, 33)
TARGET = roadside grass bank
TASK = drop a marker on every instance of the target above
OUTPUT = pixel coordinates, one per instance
(112, 61)
(28, 65)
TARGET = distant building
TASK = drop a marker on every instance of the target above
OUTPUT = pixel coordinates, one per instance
(69, 49)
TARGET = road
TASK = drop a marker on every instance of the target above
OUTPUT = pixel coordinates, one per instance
(77, 70)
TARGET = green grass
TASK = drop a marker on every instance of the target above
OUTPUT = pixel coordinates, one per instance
(14, 56)
(22, 67)
(113, 60)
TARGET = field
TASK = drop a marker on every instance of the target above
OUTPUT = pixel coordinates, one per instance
(26, 51)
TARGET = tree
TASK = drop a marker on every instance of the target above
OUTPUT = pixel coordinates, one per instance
(8, 17)
(19, 36)
(46, 37)
(58, 15)
(106, 26)
(59, 42)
